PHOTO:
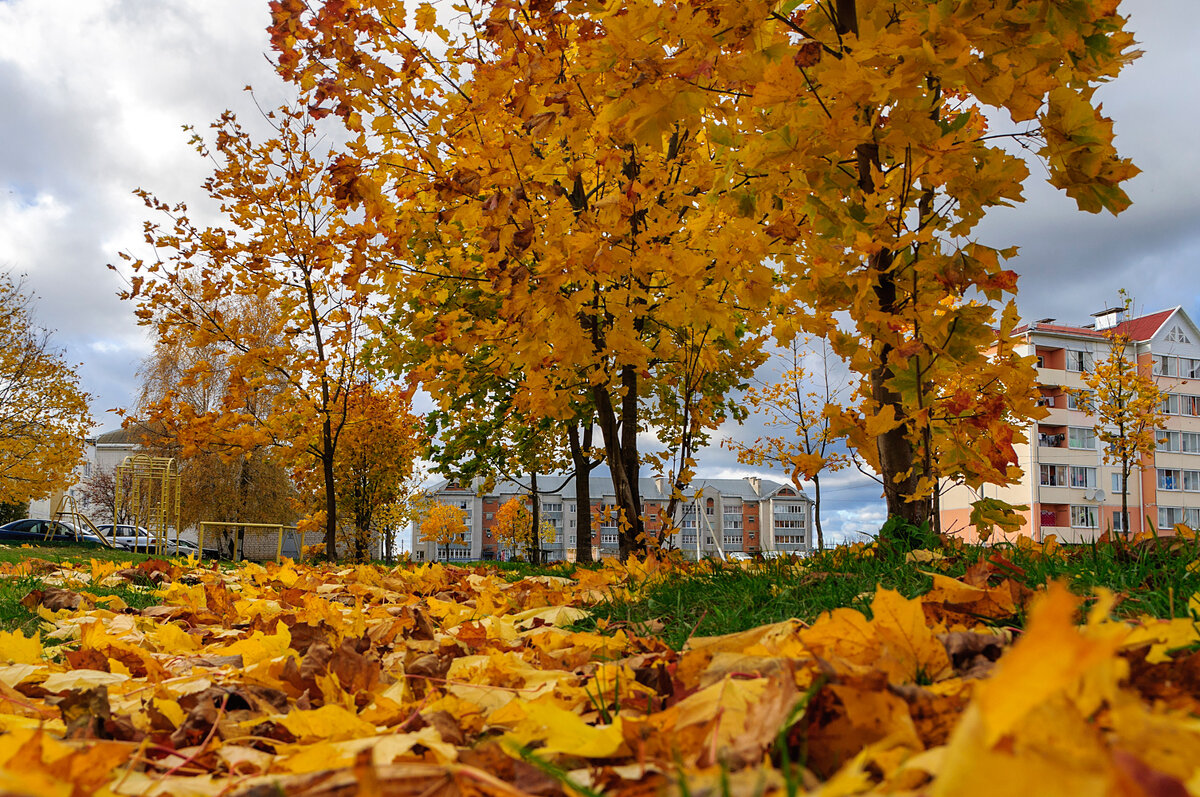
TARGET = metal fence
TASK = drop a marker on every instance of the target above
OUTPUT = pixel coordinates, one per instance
(257, 541)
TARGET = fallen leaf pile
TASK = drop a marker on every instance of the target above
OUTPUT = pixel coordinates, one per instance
(450, 680)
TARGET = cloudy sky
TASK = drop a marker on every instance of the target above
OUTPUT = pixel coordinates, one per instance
(95, 92)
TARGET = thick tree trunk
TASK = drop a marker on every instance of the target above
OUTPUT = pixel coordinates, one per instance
(619, 452)
(583, 492)
(535, 520)
(330, 490)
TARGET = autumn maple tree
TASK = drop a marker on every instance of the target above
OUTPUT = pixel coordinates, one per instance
(375, 457)
(1127, 405)
(275, 291)
(795, 405)
(444, 525)
(538, 237)
(44, 414)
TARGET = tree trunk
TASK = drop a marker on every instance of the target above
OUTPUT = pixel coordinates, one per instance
(583, 492)
(817, 511)
(535, 519)
(330, 494)
(618, 452)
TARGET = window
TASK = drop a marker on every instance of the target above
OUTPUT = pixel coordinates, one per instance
(790, 509)
(1189, 442)
(487, 515)
(1083, 477)
(1168, 441)
(1168, 516)
(551, 507)
(1079, 360)
(1041, 361)
(1081, 437)
(1189, 405)
(608, 539)
(796, 523)
(1118, 522)
(687, 539)
(1081, 401)
(1177, 335)
(1166, 366)
(1170, 405)
(732, 539)
(1189, 368)
(1054, 475)
(1191, 481)
(1168, 479)
(1084, 517)
(1191, 517)
(732, 521)
(1116, 484)
(751, 518)
(789, 539)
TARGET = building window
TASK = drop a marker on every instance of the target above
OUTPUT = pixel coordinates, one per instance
(1168, 479)
(1116, 484)
(1165, 366)
(1189, 442)
(551, 507)
(732, 539)
(1168, 441)
(789, 539)
(608, 539)
(1079, 360)
(732, 521)
(1053, 475)
(1084, 517)
(1041, 361)
(1191, 518)
(1189, 368)
(1082, 401)
(1170, 405)
(1118, 522)
(687, 539)
(1081, 437)
(1191, 481)
(1189, 405)
(1083, 477)
(1168, 516)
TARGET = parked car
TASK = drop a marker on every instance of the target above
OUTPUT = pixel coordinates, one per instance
(740, 556)
(141, 540)
(35, 531)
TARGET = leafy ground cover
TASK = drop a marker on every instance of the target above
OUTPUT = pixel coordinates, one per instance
(436, 679)
(1154, 576)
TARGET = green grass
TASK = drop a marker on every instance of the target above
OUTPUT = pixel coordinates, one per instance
(1151, 578)
(67, 553)
(12, 589)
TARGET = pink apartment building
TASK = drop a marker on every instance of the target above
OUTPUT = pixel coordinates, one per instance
(1071, 491)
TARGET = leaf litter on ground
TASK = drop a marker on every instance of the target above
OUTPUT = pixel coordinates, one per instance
(435, 679)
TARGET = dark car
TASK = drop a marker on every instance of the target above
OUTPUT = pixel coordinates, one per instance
(42, 532)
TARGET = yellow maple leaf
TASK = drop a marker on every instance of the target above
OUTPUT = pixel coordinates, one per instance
(15, 648)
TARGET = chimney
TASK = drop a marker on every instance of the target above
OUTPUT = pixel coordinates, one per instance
(1108, 318)
(755, 484)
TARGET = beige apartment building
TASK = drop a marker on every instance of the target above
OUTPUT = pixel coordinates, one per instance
(1071, 491)
(717, 517)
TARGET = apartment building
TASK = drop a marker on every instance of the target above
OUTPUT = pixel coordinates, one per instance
(1071, 491)
(717, 517)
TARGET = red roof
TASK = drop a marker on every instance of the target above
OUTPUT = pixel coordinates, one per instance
(1140, 328)
(1144, 327)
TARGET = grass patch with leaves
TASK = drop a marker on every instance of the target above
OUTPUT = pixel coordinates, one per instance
(1151, 577)
(14, 615)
